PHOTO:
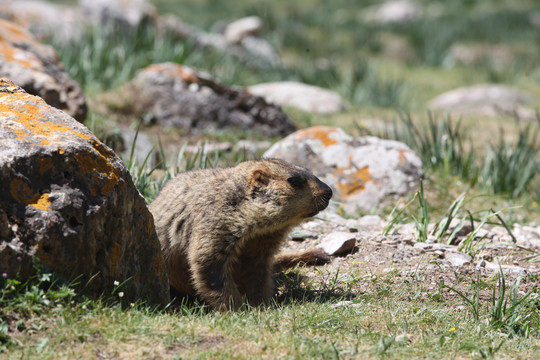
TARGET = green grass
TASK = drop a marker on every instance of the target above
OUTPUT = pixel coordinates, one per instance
(507, 167)
(395, 317)
(472, 172)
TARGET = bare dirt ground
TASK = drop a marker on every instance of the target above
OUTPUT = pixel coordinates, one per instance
(399, 257)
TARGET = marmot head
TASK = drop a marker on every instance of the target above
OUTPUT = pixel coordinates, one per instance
(286, 193)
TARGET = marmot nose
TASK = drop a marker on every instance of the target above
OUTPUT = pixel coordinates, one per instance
(324, 191)
(328, 193)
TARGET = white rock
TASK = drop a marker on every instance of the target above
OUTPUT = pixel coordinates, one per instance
(365, 172)
(300, 234)
(237, 30)
(535, 243)
(305, 97)
(506, 269)
(495, 55)
(534, 18)
(338, 243)
(370, 221)
(423, 246)
(345, 303)
(458, 258)
(395, 11)
(485, 99)
(480, 265)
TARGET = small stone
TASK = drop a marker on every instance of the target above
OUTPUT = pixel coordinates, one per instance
(480, 265)
(535, 243)
(343, 303)
(338, 243)
(431, 239)
(352, 225)
(422, 246)
(404, 338)
(443, 247)
(370, 221)
(406, 229)
(301, 235)
(458, 259)
(506, 269)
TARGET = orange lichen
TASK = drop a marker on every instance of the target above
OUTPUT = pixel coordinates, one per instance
(25, 113)
(28, 115)
(43, 203)
(22, 192)
(186, 74)
(10, 36)
(402, 157)
(116, 252)
(14, 32)
(99, 162)
(26, 110)
(14, 55)
(354, 182)
(321, 133)
(45, 164)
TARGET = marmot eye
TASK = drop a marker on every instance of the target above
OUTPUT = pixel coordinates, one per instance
(297, 181)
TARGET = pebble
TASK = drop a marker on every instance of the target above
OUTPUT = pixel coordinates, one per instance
(301, 235)
(458, 258)
(338, 243)
(506, 269)
(370, 221)
(346, 303)
(480, 265)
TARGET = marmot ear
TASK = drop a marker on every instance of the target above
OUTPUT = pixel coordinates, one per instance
(260, 176)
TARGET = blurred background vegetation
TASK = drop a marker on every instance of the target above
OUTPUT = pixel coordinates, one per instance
(386, 71)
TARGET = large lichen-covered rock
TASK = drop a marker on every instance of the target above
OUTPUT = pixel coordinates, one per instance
(365, 173)
(177, 96)
(35, 67)
(68, 200)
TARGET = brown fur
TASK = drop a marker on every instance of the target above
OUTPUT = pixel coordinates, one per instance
(220, 229)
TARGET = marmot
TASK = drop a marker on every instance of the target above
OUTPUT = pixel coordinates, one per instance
(221, 228)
